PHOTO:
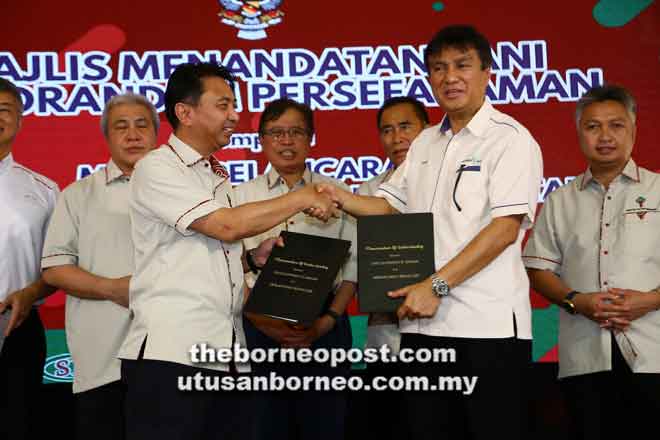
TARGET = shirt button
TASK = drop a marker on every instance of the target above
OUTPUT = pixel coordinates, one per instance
(206, 165)
(607, 224)
(292, 222)
(233, 284)
(605, 252)
(605, 283)
(609, 197)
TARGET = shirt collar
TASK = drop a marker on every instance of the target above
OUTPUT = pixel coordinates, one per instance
(6, 163)
(273, 178)
(631, 171)
(188, 155)
(479, 122)
(112, 172)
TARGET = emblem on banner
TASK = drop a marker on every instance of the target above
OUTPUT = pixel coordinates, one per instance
(251, 18)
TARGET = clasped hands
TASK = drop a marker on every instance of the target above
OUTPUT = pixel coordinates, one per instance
(323, 201)
(614, 309)
(293, 336)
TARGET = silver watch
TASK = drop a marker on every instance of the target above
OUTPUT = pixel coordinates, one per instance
(439, 286)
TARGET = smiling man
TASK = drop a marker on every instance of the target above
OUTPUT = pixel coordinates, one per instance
(27, 200)
(187, 287)
(478, 172)
(286, 128)
(594, 252)
(89, 254)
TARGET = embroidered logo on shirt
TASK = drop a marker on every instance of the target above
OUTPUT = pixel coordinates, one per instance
(470, 164)
(640, 201)
(642, 210)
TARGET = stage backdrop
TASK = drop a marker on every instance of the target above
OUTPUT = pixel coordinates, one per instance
(344, 58)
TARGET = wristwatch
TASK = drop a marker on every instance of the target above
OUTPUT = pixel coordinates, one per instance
(333, 314)
(568, 304)
(439, 287)
(251, 263)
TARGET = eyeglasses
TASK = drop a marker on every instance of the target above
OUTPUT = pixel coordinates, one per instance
(295, 133)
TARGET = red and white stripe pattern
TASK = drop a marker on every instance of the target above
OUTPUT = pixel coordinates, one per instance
(218, 168)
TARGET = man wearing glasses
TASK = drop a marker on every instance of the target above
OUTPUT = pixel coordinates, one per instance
(594, 252)
(286, 129)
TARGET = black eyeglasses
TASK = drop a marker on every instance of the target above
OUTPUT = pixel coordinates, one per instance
(294, 133)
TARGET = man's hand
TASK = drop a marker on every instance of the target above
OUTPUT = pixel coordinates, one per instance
(420, 301)
(626, 306)
(598, 306)
(20, 303)
(336, 194)
(261, 253)
(278, 330)
(306, 337)
(320, 205)
(117, 290)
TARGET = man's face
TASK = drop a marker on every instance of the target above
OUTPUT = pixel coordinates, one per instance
(214, 118)
(10, 119)
(607, 134)
(399, 126)
(286, 142)
(131, 134)
(457, 80)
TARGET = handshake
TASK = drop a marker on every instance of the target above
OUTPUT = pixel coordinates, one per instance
(323, 200)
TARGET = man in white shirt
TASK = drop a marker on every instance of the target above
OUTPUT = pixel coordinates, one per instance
(399, 121)
(89, 254)
(594, 252)
(478, 172)
(187, 287)
(286, 129)
(27, 200)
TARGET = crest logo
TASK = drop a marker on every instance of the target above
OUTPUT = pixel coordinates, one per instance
(251, 18)
(640, 201)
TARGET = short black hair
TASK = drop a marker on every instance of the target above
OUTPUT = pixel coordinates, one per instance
(418, 107)
(462, 37)
(275, 109)
(609, 92)
(185, 85)
(9, 87)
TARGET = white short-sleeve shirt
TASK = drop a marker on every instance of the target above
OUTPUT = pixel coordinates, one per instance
(187, 288)
(491, 168)
(595, 239)
(27, 200)
(90, 229)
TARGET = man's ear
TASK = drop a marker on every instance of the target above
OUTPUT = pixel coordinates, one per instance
(184, 113)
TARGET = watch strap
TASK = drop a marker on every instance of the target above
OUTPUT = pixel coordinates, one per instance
(251, 263)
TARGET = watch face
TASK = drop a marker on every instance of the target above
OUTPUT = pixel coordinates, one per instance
(568, 306)
(440, 287)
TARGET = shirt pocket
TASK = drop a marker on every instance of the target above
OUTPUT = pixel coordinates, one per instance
(468, 192)
(641, 234)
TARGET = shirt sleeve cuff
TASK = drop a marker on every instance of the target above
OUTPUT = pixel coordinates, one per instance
(58, 260)
(515, 209)
(349, 272)
(541, 263)
(198, 211)
(394, 197)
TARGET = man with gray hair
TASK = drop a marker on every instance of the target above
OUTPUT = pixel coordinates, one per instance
(594, 252)
(89, 254)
